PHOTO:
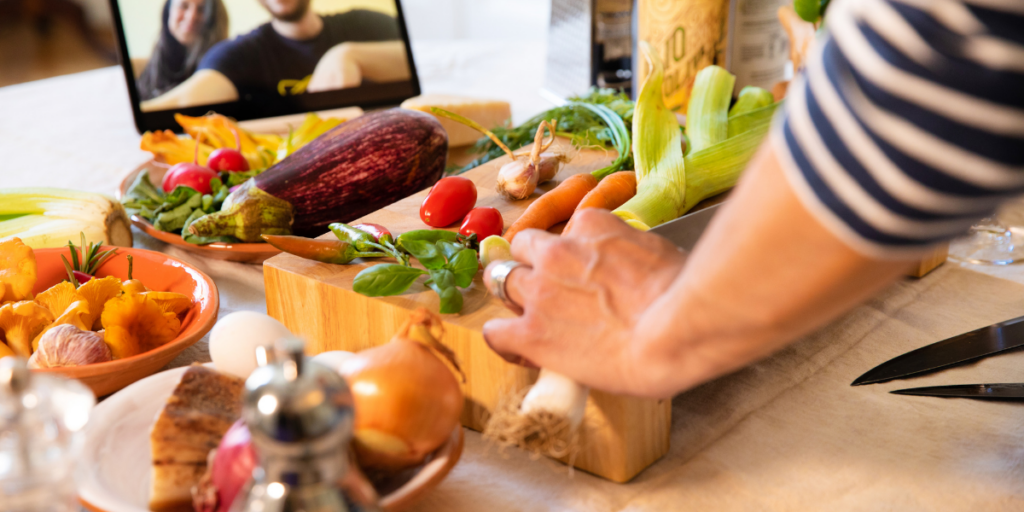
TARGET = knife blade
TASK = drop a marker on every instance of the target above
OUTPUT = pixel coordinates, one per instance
(686, 230)
(1011, 391)
(960, 349)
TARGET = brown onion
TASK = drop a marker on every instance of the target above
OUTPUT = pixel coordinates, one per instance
(407, 401)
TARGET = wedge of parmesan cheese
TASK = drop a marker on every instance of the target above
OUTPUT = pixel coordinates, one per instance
(489, 113)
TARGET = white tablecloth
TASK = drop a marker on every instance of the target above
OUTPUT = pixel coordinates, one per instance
(788, 433)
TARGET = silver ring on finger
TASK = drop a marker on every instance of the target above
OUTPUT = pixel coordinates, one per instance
(499, 276)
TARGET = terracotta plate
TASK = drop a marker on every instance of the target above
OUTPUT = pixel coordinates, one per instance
(115, 464)
(244, 253)
(158, 272)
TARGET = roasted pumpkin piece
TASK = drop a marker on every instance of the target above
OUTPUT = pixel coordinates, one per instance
(76, 314)
(135, 324)
(21, 322)
(17, 270)
(58, 297)
(174, 302)
(97, 292)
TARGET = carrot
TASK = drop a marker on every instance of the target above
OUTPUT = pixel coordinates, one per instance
(555, 206)
(609, 194)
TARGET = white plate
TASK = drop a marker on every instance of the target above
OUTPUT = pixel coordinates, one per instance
(116, 461)
(115, 467)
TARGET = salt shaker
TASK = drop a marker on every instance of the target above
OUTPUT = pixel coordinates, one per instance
(42, 422)
(300, 416)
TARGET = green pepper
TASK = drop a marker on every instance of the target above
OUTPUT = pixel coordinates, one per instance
(325, 251)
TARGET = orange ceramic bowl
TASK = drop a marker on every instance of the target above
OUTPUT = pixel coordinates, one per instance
(159, 273)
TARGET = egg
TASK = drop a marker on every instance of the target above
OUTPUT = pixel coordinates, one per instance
(234, 339)
(332, 359)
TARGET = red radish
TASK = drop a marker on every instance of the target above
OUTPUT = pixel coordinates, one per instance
(227, 160)
(232, 464)
(81, 277)
(484, 222)
(190, 174)
(448, 201)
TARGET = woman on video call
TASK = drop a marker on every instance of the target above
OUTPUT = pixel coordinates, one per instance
(188, 29)
(297, 51)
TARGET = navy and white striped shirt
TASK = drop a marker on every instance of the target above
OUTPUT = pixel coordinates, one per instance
(907, 125)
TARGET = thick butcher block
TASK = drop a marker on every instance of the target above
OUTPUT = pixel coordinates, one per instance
(621, 435)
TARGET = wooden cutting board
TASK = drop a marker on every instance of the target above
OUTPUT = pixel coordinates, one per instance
(621, 436)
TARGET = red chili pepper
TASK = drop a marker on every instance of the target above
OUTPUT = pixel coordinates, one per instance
(374, 229)
(324, 251)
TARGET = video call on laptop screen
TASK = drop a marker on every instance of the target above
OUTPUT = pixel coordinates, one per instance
(261, 58)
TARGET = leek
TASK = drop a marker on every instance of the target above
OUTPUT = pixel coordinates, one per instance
(657, 154)
(707, 116)
(741, 123)
(49, 217)
(751, 98)
(720, 144)
(716, 169)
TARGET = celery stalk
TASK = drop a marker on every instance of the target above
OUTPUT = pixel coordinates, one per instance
(657, 154)
(707, 115)
(751, 98)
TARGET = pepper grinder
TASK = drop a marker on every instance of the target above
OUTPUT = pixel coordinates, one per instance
(300, 416)
(42, 423)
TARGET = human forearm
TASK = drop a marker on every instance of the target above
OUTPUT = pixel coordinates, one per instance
(765, 273)
(383, 61)
(205, 87)
(348, 64)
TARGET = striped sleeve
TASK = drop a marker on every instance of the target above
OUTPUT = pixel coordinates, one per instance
(907, 125)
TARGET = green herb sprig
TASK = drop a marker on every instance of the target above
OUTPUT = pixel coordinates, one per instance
(448, 259)
(584, 126)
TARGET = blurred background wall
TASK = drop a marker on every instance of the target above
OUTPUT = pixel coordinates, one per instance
(44, 38)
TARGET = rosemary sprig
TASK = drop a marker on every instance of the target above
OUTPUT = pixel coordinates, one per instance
(89, 262)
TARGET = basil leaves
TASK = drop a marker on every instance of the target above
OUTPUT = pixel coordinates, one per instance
(449, 261)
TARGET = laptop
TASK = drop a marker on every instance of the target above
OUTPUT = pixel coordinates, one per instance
(263, 62)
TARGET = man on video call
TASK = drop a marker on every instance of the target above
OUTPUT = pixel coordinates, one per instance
(297, 51)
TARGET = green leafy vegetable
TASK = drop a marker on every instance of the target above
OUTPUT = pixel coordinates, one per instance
(584, 125)
(449, 258)
(464, 265)
(385, 279)
(428, 253)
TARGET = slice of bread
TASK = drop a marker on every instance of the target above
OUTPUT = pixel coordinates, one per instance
(202, 408)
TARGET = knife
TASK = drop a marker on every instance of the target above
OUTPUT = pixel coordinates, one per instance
(1014, 391)
(963, 348)
(684, 231)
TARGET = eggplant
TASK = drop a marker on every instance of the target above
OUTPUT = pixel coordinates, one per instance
(356, 168)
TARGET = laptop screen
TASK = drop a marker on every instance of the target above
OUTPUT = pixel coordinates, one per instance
(252, 59)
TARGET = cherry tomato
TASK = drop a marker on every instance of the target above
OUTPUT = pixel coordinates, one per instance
(189, 175)
(227, 159)
(374, 229)
(448, 201)
(484, 222)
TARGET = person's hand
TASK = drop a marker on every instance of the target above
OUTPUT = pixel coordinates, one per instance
(584, 297)
(337, 69)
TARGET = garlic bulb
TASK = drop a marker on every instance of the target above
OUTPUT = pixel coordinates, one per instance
(67, 345)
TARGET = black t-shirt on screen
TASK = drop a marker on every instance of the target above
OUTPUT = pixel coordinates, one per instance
(263, 64)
